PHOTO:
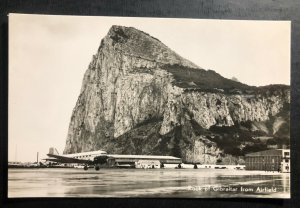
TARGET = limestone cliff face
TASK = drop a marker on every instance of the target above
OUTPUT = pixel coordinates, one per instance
(209, 109)
(130, 103)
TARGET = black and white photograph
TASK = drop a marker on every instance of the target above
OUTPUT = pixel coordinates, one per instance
(148, 107)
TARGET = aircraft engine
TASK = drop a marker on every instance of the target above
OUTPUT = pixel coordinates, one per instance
(102, 159)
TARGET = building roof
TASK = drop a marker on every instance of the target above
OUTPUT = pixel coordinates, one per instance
(144, 157)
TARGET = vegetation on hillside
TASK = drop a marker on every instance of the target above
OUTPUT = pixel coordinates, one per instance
(210, 81)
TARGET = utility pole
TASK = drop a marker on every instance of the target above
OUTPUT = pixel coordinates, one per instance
(37, 158)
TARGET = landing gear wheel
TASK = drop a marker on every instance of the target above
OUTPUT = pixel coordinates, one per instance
(85, 167)
(97, 167)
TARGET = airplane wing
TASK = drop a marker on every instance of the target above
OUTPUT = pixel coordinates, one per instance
(64, 159)
(52, 160)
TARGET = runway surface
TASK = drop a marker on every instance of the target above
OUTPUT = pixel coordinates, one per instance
(177, 183)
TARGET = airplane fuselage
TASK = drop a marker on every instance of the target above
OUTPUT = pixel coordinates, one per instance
(86, 155)
(100, 157)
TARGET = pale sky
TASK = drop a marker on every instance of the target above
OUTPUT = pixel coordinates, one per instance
(48, 56)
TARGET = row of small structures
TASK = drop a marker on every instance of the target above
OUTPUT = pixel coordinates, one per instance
(269, 160)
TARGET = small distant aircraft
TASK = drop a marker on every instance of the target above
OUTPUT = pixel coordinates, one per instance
(101, 157)
(87, 158)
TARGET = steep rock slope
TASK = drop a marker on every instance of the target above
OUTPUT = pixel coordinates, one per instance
(140, 97)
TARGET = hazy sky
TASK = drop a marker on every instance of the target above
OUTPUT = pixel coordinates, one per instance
(48, 56)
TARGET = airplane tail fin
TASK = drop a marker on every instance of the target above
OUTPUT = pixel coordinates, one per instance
(53, 151)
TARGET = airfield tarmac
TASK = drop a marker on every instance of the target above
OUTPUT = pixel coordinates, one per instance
(177, 183)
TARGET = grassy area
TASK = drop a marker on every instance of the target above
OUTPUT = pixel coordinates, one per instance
(204, 79)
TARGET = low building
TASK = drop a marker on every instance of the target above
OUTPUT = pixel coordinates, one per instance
(147, 164)
(269, 160)
(132, 160)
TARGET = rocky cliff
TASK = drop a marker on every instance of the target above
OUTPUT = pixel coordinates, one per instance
(140, 97)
